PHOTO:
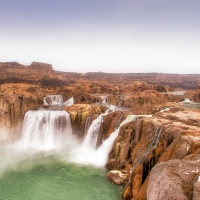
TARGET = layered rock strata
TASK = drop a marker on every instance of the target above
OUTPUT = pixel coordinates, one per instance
(141, 155)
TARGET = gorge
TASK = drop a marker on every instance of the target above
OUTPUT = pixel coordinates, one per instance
(61, 132)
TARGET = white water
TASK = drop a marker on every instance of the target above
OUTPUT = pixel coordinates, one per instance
(104, 98)
(53, 99)
(49, 132)
(46, 128)
(69, 102)
(92, 133)
(88, 155)
(87, 125)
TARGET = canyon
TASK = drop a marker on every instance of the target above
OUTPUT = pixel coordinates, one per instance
(155, 118)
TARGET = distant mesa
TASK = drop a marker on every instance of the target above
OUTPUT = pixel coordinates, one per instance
(39, 65)
(13, 72)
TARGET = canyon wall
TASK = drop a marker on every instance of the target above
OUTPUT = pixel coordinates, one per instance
(15, 101)
(158, 166)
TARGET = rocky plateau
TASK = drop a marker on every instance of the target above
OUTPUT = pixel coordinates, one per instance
(156, 156)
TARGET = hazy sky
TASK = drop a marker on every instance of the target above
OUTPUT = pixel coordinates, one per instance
(103, 35)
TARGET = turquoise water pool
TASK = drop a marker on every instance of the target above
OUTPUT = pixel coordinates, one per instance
(43, 176)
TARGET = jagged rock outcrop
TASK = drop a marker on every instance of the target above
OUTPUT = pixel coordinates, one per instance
(110, 123)
(148, 101)
(80, 97)
(35, 71)
(137, 151)
(79, 114)
(194, 95)
(129, 136)
(15, 101)
(159, 88)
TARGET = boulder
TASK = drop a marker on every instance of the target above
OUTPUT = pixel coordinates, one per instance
(117, 177)
(174, 180)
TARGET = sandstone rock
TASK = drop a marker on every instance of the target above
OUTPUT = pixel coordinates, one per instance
(117, 177)
(15, 101)
(146, 102)
(196, 190)
(194, 95)
(79, 113)
(159, 88)
(108, 126)
(129, 135)
(179, 140)
(173, 180)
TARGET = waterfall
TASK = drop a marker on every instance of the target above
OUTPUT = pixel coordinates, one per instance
(48, 132)
(54, 99)
(106, 146)
(87, 154)
(87, 125)
(69, 102)
(93, 131)
(46, 128)
(104, 99)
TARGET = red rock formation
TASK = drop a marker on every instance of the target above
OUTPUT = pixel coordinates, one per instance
(148, 101)
(144, 167)
(179, 140)
(15, 101)
(174, 179)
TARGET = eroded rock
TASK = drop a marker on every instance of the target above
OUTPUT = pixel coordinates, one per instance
(173, 179)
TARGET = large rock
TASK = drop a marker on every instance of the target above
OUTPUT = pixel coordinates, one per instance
(149, 101)
(15, 101)
(79, 114)
(179, 139)
(117, 177)
(174, 180)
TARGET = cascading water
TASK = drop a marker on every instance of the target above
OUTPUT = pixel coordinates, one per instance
(92, 133)
(46, 128)
(54, 99)
(89, 154)
(106, 146)
(87, 125)
(43, 163)
(69, 102)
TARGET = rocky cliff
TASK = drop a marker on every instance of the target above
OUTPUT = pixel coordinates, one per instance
(15, 101)
(158, 157)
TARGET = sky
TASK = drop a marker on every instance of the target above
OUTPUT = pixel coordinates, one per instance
(115, 36)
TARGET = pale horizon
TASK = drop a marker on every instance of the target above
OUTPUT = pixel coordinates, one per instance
(112, 36)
